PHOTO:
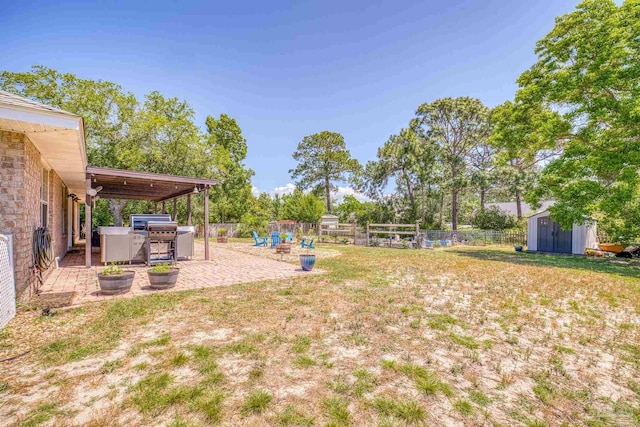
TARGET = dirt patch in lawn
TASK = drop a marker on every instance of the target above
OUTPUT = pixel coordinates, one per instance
(386, 337)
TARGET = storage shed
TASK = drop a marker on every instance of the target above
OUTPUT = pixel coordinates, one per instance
(546, 235)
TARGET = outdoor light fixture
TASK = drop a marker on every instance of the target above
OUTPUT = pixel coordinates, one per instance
(151, 184)
(125, 182)
(195, 189)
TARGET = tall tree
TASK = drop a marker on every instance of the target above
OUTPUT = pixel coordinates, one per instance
(483, 170)
(302, 207)
(524, 137)
(588, 69)
(108, 113)
(456, 126)
(229, 149)
(323, 160)
(410, 161)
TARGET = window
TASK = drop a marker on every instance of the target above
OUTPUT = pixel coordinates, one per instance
(44, 199)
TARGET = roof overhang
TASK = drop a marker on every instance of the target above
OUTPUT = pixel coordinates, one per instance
(58, 136)
(125, 184)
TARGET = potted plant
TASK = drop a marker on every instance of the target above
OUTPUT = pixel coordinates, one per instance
(114, 280)
(222, 235)
(163, 276)
(283, 247)
(307, 261)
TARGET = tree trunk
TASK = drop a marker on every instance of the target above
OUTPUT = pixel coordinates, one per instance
(441, 207)
(116, 206)
(454, 209)
(422, 212)
(518, 204)
(483, 192)
(412, 199)
(327, 190)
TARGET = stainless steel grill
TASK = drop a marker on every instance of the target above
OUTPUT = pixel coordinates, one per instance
(162, 242)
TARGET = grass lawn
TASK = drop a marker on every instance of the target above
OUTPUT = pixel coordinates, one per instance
(389, 337)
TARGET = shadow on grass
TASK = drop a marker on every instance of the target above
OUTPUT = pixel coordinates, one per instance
(600, 265)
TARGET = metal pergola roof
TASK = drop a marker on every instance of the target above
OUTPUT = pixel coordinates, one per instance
(125, 184)
(155, 187)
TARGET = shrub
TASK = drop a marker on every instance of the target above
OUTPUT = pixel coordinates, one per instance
(493, 219)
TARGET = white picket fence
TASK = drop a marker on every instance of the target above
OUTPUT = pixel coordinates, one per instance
(7, 285)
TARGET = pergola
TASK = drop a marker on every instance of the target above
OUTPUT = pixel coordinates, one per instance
(132, 185)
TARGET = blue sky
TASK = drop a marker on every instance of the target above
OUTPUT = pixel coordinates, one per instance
(288, 69)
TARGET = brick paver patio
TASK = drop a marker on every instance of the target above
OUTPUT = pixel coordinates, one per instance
(226, 267)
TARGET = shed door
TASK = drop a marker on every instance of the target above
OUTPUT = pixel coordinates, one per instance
(561, 239)
(545, 234)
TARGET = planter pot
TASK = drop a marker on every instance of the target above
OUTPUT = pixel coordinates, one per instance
(113, 284)
(283, 248)
(221, 239)
(307, 262)
(163, 280)
(518, 248)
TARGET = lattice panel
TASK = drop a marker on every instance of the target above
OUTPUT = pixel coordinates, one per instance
(7, 286)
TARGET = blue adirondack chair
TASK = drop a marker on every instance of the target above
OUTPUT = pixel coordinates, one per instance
(289, 236)
(260, 241)
(275, 239)
(307, 243)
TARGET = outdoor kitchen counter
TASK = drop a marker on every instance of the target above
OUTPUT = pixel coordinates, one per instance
(123, 244)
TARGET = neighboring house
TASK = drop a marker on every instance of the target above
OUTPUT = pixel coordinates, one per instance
(510, 208)
(546, 235)
(42, 162)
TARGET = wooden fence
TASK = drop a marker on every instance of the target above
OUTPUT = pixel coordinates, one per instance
(394, 234)
(338, 232)
(307, 228)
(381, 234)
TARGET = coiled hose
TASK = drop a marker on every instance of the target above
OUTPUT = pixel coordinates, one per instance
(42, 253)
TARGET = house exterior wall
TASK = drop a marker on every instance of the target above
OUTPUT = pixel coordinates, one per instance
(582, 236)
(20, 182)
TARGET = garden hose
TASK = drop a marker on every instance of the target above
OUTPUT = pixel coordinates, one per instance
(42, 253)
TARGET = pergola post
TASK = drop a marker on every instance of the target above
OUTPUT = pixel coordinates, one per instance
(206, 222)
(87, 227)
(174, 214)
(188, 209)
(164, 208)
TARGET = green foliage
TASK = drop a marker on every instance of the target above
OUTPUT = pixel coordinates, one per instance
(260, 211)
(323, 159)
(337, 411)
(302, 207)
(228, 148)
(587, 70)
(291, 416)
(524, 136)
(411, 162)
(456, 127)
(493, 218)
(156, 135)
(163, 267)
(112, 270)
(257, 402)
(408, 411)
